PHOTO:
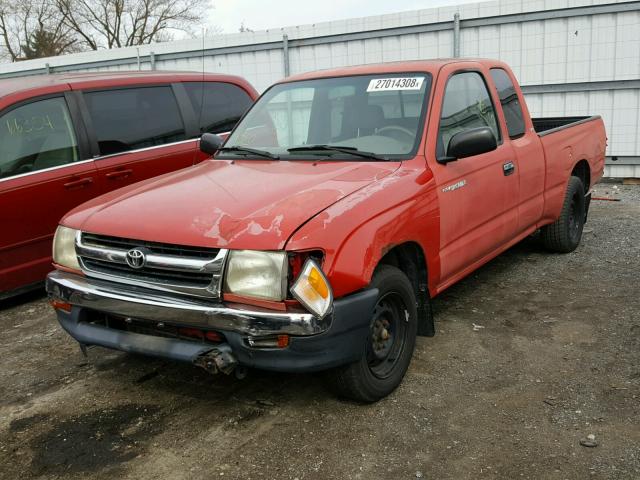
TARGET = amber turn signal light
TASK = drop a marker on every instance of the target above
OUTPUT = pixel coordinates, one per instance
(280, 341)
(312, 289)
(60, 305)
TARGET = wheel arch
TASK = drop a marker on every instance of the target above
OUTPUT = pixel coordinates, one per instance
(410, 258)
(582, 170)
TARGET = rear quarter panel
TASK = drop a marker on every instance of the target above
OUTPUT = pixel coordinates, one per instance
(563, 149)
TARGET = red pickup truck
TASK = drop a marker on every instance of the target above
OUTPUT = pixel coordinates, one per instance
(316, 236)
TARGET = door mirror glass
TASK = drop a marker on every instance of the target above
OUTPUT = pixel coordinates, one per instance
(210, 143)
(469, 143)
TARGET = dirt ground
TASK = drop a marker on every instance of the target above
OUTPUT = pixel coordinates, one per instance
(534, 353)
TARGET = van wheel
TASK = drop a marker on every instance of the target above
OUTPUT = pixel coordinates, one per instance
(565, 233)
(390, 343)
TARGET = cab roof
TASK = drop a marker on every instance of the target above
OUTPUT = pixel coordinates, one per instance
(373, 68)
(432, 66)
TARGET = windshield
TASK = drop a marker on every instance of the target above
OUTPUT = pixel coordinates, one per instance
(379, 115)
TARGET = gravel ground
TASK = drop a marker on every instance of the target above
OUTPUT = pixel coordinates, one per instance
(534, 353)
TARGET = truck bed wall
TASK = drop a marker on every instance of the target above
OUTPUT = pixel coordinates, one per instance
(564, 147)
(544, 124)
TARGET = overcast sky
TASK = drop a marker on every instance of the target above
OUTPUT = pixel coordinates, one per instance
(262, 14)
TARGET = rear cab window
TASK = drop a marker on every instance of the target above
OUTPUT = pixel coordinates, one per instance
(126, 119)
(466, 105)
(37, 136)
(510, 102)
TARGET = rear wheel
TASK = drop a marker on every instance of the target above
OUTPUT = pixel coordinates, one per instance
(565, 233)
(389, 346)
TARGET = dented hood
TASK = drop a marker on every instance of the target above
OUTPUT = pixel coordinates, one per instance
(245, 204)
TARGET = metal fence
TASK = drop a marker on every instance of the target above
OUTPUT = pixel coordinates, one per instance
(572, 57)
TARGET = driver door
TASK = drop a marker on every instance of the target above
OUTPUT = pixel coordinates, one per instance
(478, 195)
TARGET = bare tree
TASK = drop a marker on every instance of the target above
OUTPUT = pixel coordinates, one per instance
(33, 29)
(41, 28)
(123, 23)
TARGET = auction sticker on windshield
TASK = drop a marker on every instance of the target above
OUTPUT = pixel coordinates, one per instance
(395, 83)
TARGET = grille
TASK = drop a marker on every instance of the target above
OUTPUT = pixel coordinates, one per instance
(168, 277)
(175, 268)
(159, 248)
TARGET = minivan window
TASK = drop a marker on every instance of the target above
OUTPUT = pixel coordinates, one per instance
(133, 118)
(510, 103)
(466, 105)
(381, 114)
(219, 106)
(36, 136)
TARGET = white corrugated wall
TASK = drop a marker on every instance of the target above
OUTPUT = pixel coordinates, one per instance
(545, 54)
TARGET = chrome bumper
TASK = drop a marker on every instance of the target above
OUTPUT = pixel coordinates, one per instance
(144, 305)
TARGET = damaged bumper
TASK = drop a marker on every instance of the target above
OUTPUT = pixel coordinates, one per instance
(314, 344)
(139, 303)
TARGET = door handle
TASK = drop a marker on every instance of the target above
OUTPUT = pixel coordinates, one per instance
(119, 174)
(508, 168)
(78, 183)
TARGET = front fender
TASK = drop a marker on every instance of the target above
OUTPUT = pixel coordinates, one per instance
(356, 232)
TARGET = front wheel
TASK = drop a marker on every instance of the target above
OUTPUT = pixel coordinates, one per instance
(565, 233)
(390, 343)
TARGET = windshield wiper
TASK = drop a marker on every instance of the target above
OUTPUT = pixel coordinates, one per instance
(337, 148)
(260, 153)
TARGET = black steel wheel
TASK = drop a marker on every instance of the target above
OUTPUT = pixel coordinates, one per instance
(389, 328)
(564, 234)
(576, 218)
(389, 346)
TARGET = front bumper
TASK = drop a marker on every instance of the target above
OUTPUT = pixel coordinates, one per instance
(315, 344)
(143, 304)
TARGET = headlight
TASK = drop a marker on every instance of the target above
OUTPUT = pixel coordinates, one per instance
(64, 248)
(257, 274)
(312, 289)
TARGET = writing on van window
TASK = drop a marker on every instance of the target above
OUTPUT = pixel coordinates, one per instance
(395, 83)
(18, 126)
(36, 136)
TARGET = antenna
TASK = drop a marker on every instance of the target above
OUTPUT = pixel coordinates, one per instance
(204, 33)
(201, 112)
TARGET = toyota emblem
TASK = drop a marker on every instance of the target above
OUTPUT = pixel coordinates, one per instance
(136, 258)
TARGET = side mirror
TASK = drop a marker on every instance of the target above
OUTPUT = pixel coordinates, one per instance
(210, 142)
(469, 143)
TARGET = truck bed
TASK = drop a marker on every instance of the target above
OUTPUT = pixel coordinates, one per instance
(573, 139)
(547, 125)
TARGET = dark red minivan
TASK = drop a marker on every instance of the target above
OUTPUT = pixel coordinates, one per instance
(65, 139)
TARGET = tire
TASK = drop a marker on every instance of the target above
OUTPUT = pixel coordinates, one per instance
(384, 361)
(564, 234)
